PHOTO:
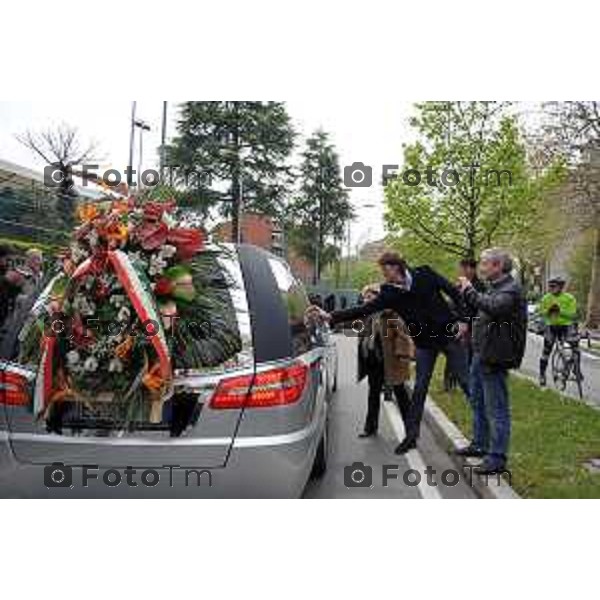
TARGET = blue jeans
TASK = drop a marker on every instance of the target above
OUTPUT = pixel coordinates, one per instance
(491, 409)
(425, 359)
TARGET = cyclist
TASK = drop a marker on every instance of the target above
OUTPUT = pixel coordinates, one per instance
(559, 311)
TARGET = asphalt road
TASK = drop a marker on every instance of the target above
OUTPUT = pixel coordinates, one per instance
(348, 411)
(590, 367)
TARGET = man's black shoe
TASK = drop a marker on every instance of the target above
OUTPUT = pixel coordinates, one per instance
(368, 434)
(406, 446)
(542, 380)
(490, 468)
(470, 451)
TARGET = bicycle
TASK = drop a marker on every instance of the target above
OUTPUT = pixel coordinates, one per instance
(566, 365)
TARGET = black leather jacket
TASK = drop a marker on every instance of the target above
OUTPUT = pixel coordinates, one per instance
(499, 329)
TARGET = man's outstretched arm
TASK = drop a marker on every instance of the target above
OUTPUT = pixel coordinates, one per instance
(356, 312)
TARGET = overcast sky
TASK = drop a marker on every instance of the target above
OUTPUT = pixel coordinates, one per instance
(370, 131)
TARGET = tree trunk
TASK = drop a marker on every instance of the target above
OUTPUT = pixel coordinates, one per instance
(593, 306)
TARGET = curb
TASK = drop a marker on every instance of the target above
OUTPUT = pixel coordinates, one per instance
(532, 379)
(450, 436)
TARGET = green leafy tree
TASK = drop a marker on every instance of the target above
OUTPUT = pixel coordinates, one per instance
(417, 252)
(234, 155)
(573, 132)
(322, 208)
(361, 273)
(580, 269)
(475, 186)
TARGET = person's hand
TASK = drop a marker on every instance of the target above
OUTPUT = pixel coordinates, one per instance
(464, 284)
(14, 278)
(314, 313)
(554, 310)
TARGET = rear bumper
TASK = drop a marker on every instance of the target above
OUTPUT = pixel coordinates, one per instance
(257, 467)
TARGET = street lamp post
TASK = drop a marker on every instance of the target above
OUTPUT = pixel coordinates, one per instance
(131, 144)
(163, 142)
(143, 126)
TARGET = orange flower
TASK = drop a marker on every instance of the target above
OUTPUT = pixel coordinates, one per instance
(124, 348)
(117, 232)
(121, 206)
(87, 212)
(153, 379)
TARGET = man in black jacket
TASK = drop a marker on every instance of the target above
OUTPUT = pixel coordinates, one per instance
(417, 295)
(499, 336)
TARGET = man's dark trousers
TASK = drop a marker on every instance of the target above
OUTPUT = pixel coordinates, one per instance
(426, 358)
(491, 410)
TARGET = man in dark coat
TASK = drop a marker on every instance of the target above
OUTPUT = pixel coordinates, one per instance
(417, 295)
(499, 338)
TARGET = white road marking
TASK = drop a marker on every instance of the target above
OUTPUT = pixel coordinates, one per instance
(414, 458)
(589, 355)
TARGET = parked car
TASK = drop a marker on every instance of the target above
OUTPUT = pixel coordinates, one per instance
(256, 426)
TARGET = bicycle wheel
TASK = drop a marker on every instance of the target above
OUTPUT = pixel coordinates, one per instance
(559, 369)
(578, 377)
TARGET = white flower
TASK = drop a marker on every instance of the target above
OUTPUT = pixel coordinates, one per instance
(93, 238)
(78, 254)
(73, 358)
(157, 264)
(117, 299)
(86, 307)
(167, 251)
(91, 364)
(124, 314)
(115, 366)
(168, 220)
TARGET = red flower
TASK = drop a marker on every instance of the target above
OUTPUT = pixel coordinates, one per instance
(187, 241)
(99, 260)
(163, 287)
(152, 235)
(153, 211)
(102, 290)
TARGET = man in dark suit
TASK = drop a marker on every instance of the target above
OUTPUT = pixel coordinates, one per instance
(417, 295)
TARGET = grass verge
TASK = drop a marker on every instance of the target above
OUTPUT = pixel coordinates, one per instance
(552, 437)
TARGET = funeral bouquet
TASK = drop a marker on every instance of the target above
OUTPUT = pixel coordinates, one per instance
(126, 277)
